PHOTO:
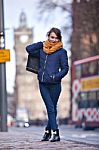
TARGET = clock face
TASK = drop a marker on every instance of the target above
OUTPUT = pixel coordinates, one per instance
(24, 38)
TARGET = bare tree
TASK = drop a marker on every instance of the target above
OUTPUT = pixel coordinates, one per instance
(50, 5)
(46, 9)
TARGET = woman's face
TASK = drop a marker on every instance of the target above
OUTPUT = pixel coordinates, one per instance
(53, 37)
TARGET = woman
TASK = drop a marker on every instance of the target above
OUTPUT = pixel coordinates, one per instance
(53, 67)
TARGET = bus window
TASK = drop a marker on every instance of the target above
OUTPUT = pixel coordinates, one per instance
(92, 98)
(92, 95)
(93, 69)
(85, 68)
(84, 100)
(78, 71)
(90, 69)
(78, 100)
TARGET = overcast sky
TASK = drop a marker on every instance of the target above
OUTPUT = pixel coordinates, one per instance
(12, 10)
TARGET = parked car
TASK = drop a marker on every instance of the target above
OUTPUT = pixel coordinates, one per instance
(22, 118)
(21, 123)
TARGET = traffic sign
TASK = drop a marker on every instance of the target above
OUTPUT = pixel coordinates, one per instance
(4, 55)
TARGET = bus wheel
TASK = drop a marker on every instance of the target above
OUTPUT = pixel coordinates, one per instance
(83, 126)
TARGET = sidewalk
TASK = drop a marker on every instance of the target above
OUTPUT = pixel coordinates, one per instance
(89, 137)
(27, 139)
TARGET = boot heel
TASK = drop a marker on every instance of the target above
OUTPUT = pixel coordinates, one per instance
(47, 135)
(56, 136)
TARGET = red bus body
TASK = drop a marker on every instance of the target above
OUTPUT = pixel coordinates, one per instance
(85, 92)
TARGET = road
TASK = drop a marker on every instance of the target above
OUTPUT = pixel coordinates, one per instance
(29, 138)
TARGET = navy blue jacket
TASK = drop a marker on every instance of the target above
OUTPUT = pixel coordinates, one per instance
(53, 67)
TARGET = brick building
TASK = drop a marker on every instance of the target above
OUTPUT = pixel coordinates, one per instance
(85, 36)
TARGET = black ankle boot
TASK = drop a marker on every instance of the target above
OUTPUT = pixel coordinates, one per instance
(47, 135)
(56, 136)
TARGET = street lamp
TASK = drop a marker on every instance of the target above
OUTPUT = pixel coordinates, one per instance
(3, 94)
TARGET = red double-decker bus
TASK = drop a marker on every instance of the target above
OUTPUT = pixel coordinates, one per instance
(85, 92)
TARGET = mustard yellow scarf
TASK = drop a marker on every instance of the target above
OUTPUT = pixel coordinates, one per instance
(50, 47)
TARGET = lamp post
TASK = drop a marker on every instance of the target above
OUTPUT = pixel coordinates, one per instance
(3, 93)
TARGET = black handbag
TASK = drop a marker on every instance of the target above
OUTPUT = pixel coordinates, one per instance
(32, 64)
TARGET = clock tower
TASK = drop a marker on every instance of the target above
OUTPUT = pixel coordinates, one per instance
(26, 86)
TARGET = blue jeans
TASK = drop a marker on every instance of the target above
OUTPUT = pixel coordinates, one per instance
(50, 94)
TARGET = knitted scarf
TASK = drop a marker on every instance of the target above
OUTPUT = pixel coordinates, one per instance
(50, 47)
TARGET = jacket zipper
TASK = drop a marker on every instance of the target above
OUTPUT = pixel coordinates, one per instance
(44, 68)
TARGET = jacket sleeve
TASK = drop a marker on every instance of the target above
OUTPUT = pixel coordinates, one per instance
(34, 49)
(63, 66)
